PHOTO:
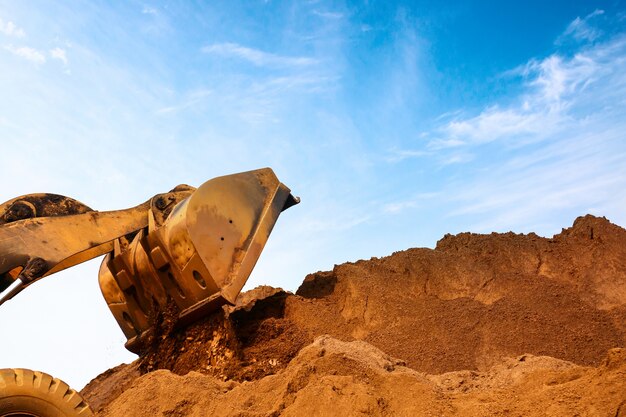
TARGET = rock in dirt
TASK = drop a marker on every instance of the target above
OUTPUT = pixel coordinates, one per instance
(463, 306)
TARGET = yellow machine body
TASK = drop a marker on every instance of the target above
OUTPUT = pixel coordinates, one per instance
(189, 249)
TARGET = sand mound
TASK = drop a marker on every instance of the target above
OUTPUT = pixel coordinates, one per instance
(463, 306)
(332, 377)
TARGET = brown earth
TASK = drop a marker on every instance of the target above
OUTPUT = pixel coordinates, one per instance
(457, 312)
(335, 378)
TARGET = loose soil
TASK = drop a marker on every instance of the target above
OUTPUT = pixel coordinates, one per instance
(453, 316)
(334, 378)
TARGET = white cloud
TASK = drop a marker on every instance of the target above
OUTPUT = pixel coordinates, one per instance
(189, 101)
(437, 144)
(256, 56)
(572, 174)
(414, 202)
(328, 15)
(393, 208)
(581, 30)
(457, 158)
(10, 29)
(30, 54)
(303, 83)
(558, 79)
(398, 155)
(58, 53)
(254, 100)
(495, 124)
(149, 10)
(558, 148)
(554, 84)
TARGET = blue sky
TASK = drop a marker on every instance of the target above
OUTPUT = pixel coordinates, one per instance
(396, 122)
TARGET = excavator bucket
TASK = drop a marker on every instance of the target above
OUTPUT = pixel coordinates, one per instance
(194, 256)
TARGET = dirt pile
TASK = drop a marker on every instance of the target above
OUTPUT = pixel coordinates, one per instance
(463, 306)
(336, 378)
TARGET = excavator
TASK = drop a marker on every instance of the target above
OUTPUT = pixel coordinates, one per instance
(190, 248)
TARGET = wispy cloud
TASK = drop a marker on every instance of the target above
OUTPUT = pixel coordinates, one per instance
(558, 79)
(256, 56)
(581, 30)
(457, 158)
(189, 101)
(570, 122)
(30, 54)
(60, 54)
(11, 29)
(149, 10)
(253, 101)
(494, 124)
(327, 14)
(553, 85)
(266, 100)
(576, 174)
(414, 202)
(398, 155)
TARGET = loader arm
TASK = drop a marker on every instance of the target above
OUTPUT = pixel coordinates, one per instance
(41, 234)
(190, 249)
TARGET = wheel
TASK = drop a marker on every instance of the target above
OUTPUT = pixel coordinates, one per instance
(26, 393)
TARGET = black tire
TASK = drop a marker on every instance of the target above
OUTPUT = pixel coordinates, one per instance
(26, 393)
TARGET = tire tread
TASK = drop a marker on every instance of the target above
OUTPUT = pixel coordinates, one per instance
(47, 386)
